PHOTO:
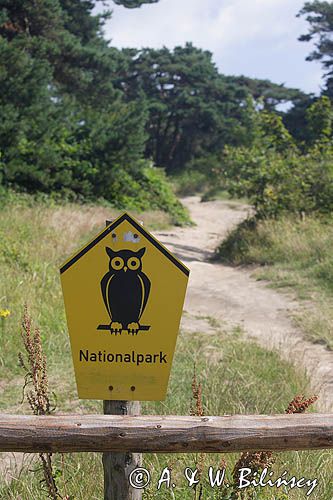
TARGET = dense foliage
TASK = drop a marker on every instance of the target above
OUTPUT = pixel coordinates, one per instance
(83, 119)
(192, 108)
(64, 126)
(275, 173)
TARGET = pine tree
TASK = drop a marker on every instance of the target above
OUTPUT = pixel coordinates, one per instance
(320, 17)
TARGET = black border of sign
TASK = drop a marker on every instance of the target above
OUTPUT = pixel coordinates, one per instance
(137, 226)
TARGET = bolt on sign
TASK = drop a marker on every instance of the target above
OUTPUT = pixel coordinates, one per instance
(124, 294)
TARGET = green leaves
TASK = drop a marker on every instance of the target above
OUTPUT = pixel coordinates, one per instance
(319, 15)
(84, 119)
(275, 175)
(63, 126)
(319, 125)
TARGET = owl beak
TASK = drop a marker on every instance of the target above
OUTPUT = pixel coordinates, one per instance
(125, 269)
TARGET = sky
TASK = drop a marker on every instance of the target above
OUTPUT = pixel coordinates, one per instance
(256, 38)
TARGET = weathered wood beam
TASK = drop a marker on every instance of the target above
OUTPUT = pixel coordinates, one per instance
(77, 433)
(117, 466)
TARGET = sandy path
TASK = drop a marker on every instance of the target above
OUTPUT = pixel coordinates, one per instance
(233, 297)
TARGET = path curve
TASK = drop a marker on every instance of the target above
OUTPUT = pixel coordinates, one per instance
(231, 296)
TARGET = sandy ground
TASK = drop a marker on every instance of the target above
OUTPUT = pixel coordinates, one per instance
(233, 297)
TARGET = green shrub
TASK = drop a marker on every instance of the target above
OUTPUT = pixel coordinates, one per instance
(278, 183)
(274, 174)
(140, 189)
(189, 182)
(155, 192)
(200, 176)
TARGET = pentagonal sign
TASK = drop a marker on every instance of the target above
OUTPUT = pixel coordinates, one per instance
(124, 294)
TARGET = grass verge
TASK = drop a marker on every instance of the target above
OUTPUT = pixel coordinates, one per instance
(293, 255)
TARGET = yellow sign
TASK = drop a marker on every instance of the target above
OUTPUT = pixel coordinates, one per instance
(124, 294)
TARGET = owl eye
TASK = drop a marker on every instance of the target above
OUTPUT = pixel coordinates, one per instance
(117, 263)
(133, 263)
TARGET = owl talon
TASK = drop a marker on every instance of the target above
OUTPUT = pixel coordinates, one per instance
(116, 328)
(133, 328)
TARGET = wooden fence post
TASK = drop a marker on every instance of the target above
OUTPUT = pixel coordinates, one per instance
(118, 466)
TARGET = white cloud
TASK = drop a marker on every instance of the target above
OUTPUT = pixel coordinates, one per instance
(253, 37)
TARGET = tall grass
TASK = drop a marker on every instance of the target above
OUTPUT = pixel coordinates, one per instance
(293, 254)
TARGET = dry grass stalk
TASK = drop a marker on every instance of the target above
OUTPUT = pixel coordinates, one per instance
(197, 410)
(34, 364)
(35, 368)
(257, 461)
(300, 404)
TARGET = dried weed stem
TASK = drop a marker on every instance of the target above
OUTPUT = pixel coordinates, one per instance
(257, 461)
(34, 364)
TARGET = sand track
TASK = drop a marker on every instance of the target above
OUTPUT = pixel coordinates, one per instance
(233, 297)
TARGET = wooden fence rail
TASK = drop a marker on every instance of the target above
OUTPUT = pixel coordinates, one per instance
(180, 434)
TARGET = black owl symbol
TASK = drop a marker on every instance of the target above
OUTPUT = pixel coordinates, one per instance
(125, 290)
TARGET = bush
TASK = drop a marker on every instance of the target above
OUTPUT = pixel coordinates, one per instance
(189, 183)
(199, 176)
(274, 174)
(153, 191)
(278, 183)
(144, 188)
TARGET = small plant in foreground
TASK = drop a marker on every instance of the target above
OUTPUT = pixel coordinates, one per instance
(258, 461)
(197, 410)
(4, 313)
(197, 396)
(38, 397)
(300, 404)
